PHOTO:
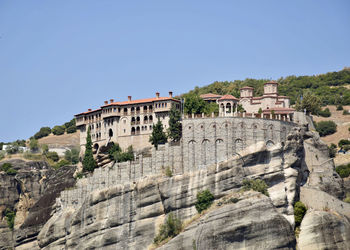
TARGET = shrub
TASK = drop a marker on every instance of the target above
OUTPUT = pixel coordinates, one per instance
(2, 154)
(44, 131)
(324, 113)
(8, 169)
(343, 170)
(31, 156)
(120, 156)
(169, 229)
(168, 172)
(33, 145)
(44, 149)
(346, 147)
(204, 200)
(332, 149)
(343, 142)
(52, 156)
(346, 112)
(299, 212)
(61, 163)
(72, 156)
(10, 217)
(79, 175)
(326, 128)
(256, 185)
(71, 129)
(347, 199)
(13, 149)
(340, 107)
(58, 130)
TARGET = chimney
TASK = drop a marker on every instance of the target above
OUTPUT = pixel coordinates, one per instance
(106, 102)
(111, 100)
(170, 94)
(157, 95)
(89, 109)
(129, 98)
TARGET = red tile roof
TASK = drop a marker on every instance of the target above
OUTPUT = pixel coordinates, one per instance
(147, 100)
(269, 82)
(210, 95)
(228, 97)
(88, 112)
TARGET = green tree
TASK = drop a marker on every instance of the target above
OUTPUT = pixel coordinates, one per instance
(204, 200)
(89, 163)
(326, 128)
(44, 131)
(44, 149)
(158, 136)
(310, 102)
(169, 229)
(332, 150)
(194, 104)
(58, 130)
(175, 127)
(72, 156)
(33, 145)
(256, 185)
(52, 156)
(299, 212)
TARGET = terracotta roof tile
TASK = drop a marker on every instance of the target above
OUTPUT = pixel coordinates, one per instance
(210, 95)
(228, 97)
(147, 100)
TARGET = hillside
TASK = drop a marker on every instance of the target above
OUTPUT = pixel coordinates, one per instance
(332, 87)
(61, 141)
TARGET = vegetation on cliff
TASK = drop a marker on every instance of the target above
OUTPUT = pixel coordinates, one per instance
(89, 163)
(326, 127)
(115, 152)
(169, 229)
(299, 212)
(204, 200)
(256, 185)
(158, 135)
(175, 127)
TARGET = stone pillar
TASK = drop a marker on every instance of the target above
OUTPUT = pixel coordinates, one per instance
(192, 115)
(202, 115)
(212, 114)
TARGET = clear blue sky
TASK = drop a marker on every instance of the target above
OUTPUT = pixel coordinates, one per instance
(59, 58)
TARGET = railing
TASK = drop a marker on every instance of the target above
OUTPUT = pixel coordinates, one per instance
(239, 114)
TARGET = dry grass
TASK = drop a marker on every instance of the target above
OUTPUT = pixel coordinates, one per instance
(343, 124)
(65, 140)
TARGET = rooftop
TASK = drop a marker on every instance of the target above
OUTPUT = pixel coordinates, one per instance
(228, 97)
(210, 95)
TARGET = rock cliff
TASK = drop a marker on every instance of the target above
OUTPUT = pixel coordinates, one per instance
(31, 193)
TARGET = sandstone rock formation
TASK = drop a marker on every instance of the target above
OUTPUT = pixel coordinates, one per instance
(251, 223)
(31, 193)
(324, 230)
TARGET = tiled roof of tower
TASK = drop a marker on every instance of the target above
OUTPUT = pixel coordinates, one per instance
(147, 100)
(271, 82)
(210, 95)
(247, 87)
(228, 97)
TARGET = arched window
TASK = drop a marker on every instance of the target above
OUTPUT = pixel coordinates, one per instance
(145, 120)
(150, 119)
(145, 109)
(110, 132)
(138, 120)
(137, 130)
(150, 107)
(132, 131)
(137, 110)
(228, 108)
(133, 120)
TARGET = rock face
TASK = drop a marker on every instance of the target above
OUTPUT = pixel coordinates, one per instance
(31, 193)
(324, 230)
(127, 216)
(251, 223)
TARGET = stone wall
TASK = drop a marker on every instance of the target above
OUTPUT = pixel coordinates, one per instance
(205, 141)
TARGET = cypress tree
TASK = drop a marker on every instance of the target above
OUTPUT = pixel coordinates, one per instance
(158, 136)
(175, 127)
(89, 163)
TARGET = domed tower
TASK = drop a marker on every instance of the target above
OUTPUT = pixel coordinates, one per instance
(270, 88)
(247, 92)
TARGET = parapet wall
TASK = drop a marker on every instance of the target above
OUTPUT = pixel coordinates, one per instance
(205, 141)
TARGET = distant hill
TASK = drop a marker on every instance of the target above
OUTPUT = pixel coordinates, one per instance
(332, 87)
(61, 141)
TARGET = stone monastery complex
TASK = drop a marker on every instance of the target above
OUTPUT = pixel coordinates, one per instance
(131, 122)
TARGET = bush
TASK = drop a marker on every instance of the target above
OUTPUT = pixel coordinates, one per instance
(343, 142)
(44, 131)
(61, 163)
(58, 130)
(72, 156)
(34, 157)
(340, 107)
(326, 128)
(343, 170)
(169, 229)
(8, 169)
(71, 129)
(256, 185)
(332, 149)
(2, 154)
(10, 217)
(116, 153)
(168, 172)
(79, 175)
(13, 149)
(33, 145)
(52, 156)
(347, 198)
(346, 112)
(204, 200)
(324, 113)
(299, 212)
(44, 149)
